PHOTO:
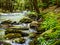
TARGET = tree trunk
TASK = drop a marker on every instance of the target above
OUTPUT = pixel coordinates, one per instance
(35, 4)
(58, 3)
(7, 5)
(31, 5)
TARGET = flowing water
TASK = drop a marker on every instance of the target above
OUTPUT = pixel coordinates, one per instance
(27, 38)
(17, 17)
(13, 16)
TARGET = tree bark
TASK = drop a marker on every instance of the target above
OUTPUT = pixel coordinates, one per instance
(35, 4)
(31, 5)
(58, 3)
(7, 5)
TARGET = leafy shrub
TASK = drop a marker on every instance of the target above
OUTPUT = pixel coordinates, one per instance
(52, 2)
(42, 41)
(49, 38)
(50, 21)
(57, 42)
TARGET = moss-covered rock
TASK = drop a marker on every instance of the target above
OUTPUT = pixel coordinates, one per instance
(41, 30)
(4, 43)
(12, 31)
(24, 34)
(6, 22)
(33, 42)
(25, 20)
(32, 35)
(34, 24)
(19, 40)
(19, 28)
(33, 16)
(12, 35)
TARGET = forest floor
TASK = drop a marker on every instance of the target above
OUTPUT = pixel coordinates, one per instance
(52, 8)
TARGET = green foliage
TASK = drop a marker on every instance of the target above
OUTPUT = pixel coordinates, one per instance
(53, 35)
(50, 21)
(6, 5)
(12, 5)
(48, 39)
(46, 3)
(19, 5)
(57, 43)
(42, 4)
(52, 2)
(42, 41)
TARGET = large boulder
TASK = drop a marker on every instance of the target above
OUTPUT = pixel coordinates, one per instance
(34, 24)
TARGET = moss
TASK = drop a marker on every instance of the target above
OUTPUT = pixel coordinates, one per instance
(41, 30)
(33, 16)
(19, 40)
(32, 35)
(25, 20)
(12, 31)
(12, 35)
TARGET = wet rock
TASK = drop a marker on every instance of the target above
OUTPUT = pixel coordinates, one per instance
(6, 24)
(12, 35)
(40, 20)
(26, 20)
(32, 35)
(19, 40)
(40, 30)
(25, 34)
(19, 28)
(34, 24)
(4, 43)
(12, 31)
(15, 23)
(33, 42)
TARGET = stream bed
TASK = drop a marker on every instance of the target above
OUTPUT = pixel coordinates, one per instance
(16, 17)
(27, 39)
